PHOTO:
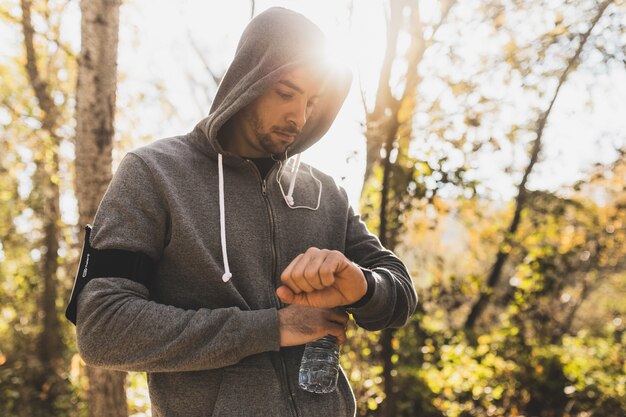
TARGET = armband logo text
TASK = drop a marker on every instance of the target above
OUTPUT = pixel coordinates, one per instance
(86, 265)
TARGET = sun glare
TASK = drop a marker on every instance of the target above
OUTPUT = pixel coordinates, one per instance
(199, 38)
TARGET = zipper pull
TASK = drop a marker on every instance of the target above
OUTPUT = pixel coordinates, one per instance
(263, 187)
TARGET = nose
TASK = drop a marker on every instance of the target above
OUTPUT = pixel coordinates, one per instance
(298, 114)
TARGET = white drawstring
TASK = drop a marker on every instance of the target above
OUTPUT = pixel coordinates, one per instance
(288, 199)
(227, 275)
(294, 168)
(292, 183)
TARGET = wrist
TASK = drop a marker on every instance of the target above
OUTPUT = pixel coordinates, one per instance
(370, 283)
(283, 334)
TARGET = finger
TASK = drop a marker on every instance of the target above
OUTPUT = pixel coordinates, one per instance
(331, 264)
(290, 275)
(302, 261)
(338, 331)
(295, 285)
(289, 297)
(296, 277)
(286, 274)
(312, 269)
(303, 282)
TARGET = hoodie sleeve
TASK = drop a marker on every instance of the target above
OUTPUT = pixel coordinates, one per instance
(118, 327)
(391, 298)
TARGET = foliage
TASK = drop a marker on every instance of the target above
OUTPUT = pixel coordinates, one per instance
(535, 354)
(564, 250)
(35, 377)
(552, 341)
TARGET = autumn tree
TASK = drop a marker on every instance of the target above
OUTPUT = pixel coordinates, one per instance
(95, 110)
(496, 271)
(420, 145)
(36, 93)
(390, 170)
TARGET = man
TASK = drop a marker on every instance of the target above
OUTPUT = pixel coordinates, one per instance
(248, 256)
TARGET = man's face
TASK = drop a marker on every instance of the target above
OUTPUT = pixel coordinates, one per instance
(271, 122)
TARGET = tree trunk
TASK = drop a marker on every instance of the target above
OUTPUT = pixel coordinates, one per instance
(107, 393)
(385, 127)
(49, 344)
(389, 405)
(95, 103)
(95, 110)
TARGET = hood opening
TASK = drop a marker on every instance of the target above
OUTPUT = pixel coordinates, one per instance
(274, 43)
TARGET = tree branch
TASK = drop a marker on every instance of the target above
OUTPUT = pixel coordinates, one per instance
(216, 78)
(502, 255)
(40, 85)
(384, 96)
(444, 16)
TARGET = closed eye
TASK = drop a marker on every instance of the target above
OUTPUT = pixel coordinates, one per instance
(284, 95)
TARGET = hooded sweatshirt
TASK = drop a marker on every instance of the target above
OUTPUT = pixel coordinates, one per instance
(205, 329)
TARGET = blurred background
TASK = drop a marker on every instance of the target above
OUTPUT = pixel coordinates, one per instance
(484, 141)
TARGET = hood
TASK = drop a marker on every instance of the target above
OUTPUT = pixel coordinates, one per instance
(273, 43)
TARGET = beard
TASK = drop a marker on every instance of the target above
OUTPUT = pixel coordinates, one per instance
(265, 140)
(271, 146)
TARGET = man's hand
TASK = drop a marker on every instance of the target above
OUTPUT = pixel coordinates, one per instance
(322, 278)
(300, 325)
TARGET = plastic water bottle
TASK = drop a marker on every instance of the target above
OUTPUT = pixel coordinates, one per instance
(319, 368)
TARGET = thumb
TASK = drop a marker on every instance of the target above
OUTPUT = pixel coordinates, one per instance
(285, 294)
(289, 297)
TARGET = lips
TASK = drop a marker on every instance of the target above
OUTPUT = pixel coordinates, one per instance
(285, 137)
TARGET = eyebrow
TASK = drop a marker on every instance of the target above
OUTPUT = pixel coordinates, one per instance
(294, 86)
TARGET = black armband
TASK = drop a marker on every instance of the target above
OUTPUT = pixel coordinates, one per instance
(115, 263)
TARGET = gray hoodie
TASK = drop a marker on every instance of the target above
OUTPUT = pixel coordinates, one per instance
(209, 342)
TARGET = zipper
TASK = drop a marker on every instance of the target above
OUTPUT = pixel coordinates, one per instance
(274, 297)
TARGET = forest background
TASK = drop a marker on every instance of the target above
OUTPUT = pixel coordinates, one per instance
(483, 141)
